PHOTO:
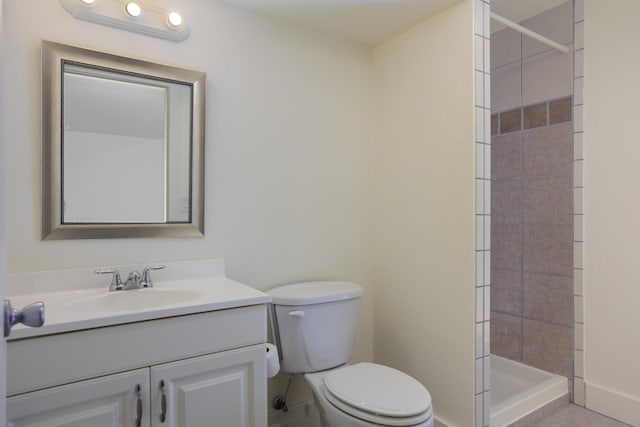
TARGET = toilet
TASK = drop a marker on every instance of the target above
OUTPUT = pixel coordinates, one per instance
(314, 325)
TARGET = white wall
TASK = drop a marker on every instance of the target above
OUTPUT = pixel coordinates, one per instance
(611, 204)
(424, 204)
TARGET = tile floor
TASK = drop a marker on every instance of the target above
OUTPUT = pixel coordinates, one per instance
(575, 416)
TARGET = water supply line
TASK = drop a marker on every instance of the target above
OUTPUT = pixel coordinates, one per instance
(561, 47)
(280, 401)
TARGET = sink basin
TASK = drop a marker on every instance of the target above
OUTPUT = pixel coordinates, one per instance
(138, 299)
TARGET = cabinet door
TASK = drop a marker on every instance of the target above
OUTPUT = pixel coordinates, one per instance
(226, 389)
(115, 400)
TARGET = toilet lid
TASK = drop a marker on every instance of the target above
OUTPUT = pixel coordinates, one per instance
(379, 390)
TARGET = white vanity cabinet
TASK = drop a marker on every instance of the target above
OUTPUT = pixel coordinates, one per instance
(206, 369)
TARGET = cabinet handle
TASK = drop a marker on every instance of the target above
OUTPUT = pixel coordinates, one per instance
(138, 405)
(163, 403)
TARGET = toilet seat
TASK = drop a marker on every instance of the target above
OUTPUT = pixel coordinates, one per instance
(378, 394)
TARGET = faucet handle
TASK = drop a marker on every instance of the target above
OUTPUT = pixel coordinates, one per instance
(116, 281)
(146, 281)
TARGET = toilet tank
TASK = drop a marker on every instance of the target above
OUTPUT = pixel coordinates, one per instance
(315, 324)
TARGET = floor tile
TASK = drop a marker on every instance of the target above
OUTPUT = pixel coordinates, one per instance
(574, 416)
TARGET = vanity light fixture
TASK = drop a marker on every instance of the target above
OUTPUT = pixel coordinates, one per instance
(133, 9)
(141, 18)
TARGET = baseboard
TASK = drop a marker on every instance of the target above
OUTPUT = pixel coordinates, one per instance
(438, 423)
(612, 404)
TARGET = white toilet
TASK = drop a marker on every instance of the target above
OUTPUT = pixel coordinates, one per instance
(315, 326)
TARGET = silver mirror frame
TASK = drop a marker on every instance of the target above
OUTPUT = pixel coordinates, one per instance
(53, 228)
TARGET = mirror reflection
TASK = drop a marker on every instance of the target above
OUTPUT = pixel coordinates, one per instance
(126, 157)
(123, 146)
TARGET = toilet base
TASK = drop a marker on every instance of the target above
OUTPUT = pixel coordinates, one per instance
(330, 416)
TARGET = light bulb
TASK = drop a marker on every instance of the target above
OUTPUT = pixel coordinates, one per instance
(133, 9)
(174, 19)
(88, 2)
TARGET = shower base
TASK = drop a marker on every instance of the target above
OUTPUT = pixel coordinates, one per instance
(518, 390)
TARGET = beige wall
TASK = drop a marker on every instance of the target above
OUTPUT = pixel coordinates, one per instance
(611, 204)
(424, 204)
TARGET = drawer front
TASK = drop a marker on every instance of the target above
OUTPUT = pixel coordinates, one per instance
(42, 362)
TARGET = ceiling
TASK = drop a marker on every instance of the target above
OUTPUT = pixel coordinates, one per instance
(371, 22)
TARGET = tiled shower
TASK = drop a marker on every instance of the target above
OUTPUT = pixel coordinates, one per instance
(532, 195)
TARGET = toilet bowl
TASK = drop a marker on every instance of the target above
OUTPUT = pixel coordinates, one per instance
(315, 325)
(367, 394)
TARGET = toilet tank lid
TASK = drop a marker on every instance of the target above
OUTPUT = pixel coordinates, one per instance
(314, 293)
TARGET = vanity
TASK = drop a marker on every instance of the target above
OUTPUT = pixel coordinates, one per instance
(190, 351)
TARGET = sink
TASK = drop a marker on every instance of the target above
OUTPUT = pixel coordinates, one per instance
(137, 299)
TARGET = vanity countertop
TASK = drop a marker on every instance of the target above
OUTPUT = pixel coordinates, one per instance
(68, 310)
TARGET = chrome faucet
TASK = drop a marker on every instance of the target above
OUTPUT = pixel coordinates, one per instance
(134, 281)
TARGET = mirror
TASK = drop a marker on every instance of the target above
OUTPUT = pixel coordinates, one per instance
(123, 147)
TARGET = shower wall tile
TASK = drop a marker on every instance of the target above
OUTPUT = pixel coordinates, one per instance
(579, 30)
(578, 363)
(579, 63)
(479, 54)
(547, 200)
(555, 24)
(578, 336)
(506, 199)
(547, 151)
(578, 392)
(479, 17)
(578, 12)
(534, 116)
(548, 249)
(506, 335)
(495, 124)
(578, 146)
(547, 76)
(560, 110)
(578, 91)
(479, 88)
(548, 347)
(510, 48)
(548, 298)
(506, 244)
(578, 125)
(578, 309)
(511, 121)
(577, 281)
(506, 156)
(507, 292)
(578, 175)
(578, 228)
(505, 87)
(578, 197)
(577, 254)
